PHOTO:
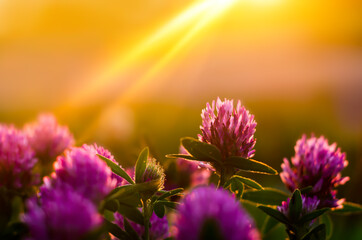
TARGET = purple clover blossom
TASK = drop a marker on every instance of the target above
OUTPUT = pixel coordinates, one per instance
(47, 137)
(200, 177)
(309, 204)
(159, 226)
(228, 128)
(205, 204)
(316, 164)
(107, 154)
(17, 159)
(82, 171)
(61, 215)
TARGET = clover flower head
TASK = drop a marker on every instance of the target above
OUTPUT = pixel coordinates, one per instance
(159, 226)
(228, 128)
(309, 204)
(47, 137)
(316, 164)
(17, 159)
(61, 215)
(153, 171)
(107, 154)
(207, 205)
(200, 177)
(82, 171)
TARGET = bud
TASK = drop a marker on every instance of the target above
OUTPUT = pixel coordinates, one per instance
(152, 179)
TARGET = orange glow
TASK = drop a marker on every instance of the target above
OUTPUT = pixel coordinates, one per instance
(64, 56)
(194, 18)
(200, 15)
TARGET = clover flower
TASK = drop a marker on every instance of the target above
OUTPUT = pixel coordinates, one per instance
(316, 164)
(200, 177)
(17, 159)
(107, 154)
(153, 178)
(207, 210)
(47, 137)
(153, 171)
(159, 226)
(82, 171)
(61, 215)
(228, 128)
(309, 204)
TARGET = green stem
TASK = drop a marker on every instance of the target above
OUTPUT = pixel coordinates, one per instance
(222, 179)
(225, 174)
(146, 219)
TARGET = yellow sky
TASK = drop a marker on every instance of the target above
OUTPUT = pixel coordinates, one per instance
(55, 53)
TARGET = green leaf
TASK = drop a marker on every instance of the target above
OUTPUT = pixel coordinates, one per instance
(170, 193)
(168, 204)
(326, 219)
(295, 206)
(201, 151)
(267, 196)
(312, 215)
(349, 208)
(249, 182)
(236, 186)
(133, 199)
(109, 215)
(131, 232)
(116, 169)
(131, 213)
(275, 214)
(111, 205)
(184, 156)
(115, 230)
(148, 188)
(319, 232)
(250, 165)
(159, 209)
(122, 191)
(269, 224)
(141, 164)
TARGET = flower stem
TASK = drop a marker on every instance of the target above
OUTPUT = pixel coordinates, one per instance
(146, 218)
(225, 174)
(222, 178)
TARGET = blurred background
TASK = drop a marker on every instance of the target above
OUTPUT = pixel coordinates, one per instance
(126, 74)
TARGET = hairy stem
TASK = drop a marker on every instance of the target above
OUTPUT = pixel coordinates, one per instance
(146, 217)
